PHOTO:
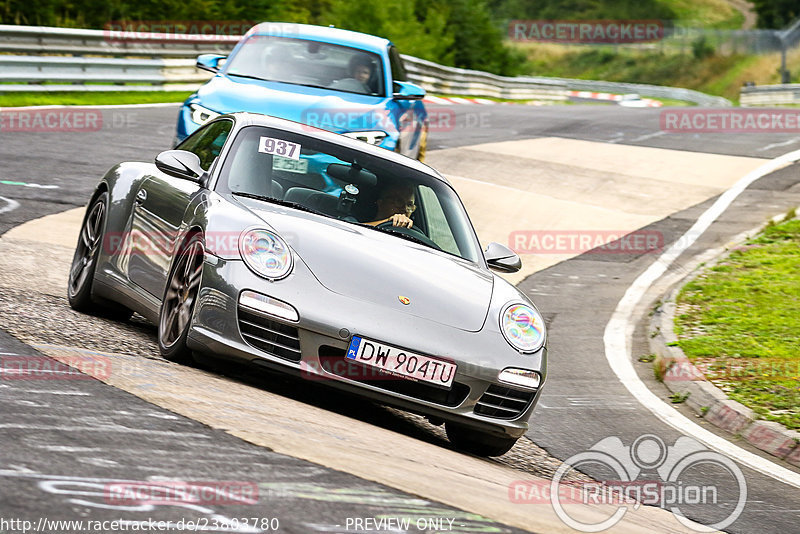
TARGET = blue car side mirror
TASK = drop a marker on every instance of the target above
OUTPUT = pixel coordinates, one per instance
(408, 91)
(209, 62)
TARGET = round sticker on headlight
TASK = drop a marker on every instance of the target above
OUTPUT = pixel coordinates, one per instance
(523, 327)
(266, 254)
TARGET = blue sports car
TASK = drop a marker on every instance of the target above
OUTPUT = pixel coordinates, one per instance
(341, 81)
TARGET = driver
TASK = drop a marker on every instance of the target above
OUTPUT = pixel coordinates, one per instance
(360, 71)
(395, 204)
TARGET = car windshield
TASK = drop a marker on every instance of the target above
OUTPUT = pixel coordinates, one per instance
(349, 185)
(309, 63)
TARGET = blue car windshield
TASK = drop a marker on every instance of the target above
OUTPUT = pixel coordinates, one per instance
(329, 179)
(308, 63)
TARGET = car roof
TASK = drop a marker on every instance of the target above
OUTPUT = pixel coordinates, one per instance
(321, 33)
(244, 118)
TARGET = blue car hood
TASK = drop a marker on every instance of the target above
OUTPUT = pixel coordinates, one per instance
(330, 110)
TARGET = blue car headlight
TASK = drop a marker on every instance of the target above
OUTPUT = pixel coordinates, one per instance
(523, 327)
(201, 115)
(371, 137)
(266, 254)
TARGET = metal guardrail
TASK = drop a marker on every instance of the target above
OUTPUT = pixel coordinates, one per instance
(770, 95)
(171, 67)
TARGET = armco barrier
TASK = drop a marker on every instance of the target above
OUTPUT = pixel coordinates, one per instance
(770, 95)
(166, 62)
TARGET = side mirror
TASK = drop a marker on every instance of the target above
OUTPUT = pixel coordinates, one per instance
(180, 164)
(502, 259)
(209, 62)
(407, 91)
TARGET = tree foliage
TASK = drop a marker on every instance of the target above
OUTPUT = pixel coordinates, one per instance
(462, 33)
(776, 14)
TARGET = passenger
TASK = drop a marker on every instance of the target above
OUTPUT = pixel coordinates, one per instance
(395, 204)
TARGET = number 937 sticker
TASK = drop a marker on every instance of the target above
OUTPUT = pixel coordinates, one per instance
(279, 147)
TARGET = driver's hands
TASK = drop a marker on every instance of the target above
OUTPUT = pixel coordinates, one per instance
(398, 219)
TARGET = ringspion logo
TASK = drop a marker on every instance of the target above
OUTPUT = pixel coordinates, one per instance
(676, 477)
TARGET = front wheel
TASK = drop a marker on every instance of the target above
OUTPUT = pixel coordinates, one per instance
(84, 264)
(476, 442)
(179, 299)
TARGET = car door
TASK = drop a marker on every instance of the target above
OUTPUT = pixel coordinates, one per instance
(159, 208)
(409, 114)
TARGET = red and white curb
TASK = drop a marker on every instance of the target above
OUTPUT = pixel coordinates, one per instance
(446, 101)
(629, 101)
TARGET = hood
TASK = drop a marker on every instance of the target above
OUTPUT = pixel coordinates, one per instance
(330, 110)
(371, 266)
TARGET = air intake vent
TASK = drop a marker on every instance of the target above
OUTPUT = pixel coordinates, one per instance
(266, 334)
(503, 403)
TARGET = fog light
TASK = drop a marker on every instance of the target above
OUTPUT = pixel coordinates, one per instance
(268, 305)
(520, 377)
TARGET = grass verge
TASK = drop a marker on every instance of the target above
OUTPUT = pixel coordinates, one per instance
(740, 323)
(80, 98)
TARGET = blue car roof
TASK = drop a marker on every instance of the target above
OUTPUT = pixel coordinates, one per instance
(321, 33)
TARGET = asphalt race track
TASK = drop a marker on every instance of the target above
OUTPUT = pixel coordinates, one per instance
(64, 441)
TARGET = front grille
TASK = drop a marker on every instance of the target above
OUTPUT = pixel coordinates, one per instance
(265, 334)
(503, 403)
(333, 361)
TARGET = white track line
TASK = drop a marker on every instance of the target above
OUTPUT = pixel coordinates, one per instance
(620, 328)
(11, 205)
(99, 106)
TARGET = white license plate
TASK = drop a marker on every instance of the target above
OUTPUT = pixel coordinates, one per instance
(289, 165)
(400, 362)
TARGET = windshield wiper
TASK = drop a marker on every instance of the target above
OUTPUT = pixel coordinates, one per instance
(287, 203)
(397, 233)
(250, 76)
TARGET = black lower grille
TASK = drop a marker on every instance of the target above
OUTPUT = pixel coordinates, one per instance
(333, 361)
(265, 334)
(503, 403)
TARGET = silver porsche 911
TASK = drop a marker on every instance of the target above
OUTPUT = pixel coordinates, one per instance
(304, 251)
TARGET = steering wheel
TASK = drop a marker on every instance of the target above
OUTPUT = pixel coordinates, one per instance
(414, 232)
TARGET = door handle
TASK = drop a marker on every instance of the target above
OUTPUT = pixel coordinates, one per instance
(141, 196)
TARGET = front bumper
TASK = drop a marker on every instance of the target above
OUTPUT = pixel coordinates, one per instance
(315, 346)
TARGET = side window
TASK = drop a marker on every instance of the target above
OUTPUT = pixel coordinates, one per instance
(438, 228)
(396, 62)
(208, 141)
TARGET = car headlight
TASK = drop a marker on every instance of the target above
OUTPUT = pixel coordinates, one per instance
(266, 254)
(523, 327)
(373, 138)
(201, 115)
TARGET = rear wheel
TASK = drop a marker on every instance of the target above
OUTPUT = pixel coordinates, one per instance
(84, 264)
(476, 442)
(179, 299)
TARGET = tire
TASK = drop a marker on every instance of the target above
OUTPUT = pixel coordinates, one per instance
(180, 295)
(84, 264)
(476, 442)
(423, 145)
